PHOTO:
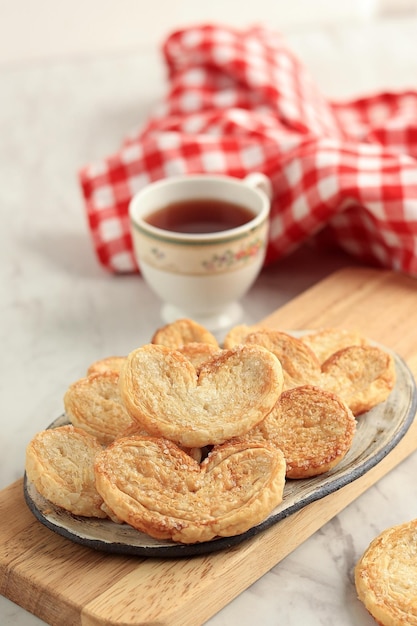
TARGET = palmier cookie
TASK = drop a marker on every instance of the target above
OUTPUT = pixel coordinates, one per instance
(363, 376)
(94, 404)
(327, 341)
(386, 576)
(60, 464)
(155, 487)
(197, 352)
(134, 430)
(181, 332)
(237, 335)
(110, 363)
(313, 427)
(229, 394)
(299, 364)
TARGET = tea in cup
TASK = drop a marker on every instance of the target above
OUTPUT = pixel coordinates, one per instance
(200, 243)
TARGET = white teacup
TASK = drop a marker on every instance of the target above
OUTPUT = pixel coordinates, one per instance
(201, 275)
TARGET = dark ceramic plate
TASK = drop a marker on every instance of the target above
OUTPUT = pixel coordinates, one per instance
(378, 432)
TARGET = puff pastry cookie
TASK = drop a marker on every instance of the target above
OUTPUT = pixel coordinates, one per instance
(181, 332)
(197, 352)
(266, 407)
(230, 394)
(363, 376)
(94, 404)
(158, 489)
(299, 364)
(60, 463)
(327, 341)
(135, 430)
(313, 427)
(386, 576)
(237, 335)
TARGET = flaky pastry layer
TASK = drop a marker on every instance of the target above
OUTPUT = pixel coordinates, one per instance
(154, 486)
(94, 404)
(386, 576)
(230, 393)
(314, 429)
(363, 376)
(60, 463)
(299, 364)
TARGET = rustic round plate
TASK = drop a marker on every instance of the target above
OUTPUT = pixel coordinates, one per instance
(378, 432)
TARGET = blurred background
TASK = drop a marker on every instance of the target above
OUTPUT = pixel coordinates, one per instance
(50, 29)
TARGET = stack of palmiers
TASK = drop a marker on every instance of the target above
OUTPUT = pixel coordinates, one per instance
(188, 440)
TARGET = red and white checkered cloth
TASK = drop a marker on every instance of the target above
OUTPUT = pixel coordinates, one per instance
(240, 102)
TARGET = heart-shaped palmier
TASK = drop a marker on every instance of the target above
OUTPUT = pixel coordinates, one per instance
(312, 427)
(327, 341)
(94, 404)
(300, 365)
(386, 576)
(182, 332)
(153, 485)
(60, 464)
(228, 395)
(363, 376)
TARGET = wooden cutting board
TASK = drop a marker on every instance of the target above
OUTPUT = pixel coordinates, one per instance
(64, 583)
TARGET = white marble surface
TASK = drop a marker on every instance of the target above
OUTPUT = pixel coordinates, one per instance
(60, 310)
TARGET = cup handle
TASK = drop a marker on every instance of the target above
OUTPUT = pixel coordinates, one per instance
(259, 181)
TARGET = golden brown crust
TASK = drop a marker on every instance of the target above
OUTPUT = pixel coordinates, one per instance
(386, 576)
(60, 463)
(327, 341)
(94, 404)
(237, 335)
(110, 363)
(231, 393)
(313, 428)
(198, 395)
(363, 376)
(135, 430)
(198, 353)
(181, 332)
(158, 489)
(300, 365)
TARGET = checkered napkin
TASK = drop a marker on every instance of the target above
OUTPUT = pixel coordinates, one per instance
(239, 102)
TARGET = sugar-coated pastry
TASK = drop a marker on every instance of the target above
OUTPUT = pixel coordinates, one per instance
(363, 376)
(327, 341)
(181, 332)
(198, 352)
(299, 364)
(151, 484)
(229, 394)
(135, 430)
(94, 404)
(60, 463)
(386, 576)
(237, 335)
(187, 441)
(314, 429)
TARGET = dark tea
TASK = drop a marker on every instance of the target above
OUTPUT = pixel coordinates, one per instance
(200, 216)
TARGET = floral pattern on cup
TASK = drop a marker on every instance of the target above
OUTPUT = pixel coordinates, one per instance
(229, 257)
(157, 253)
(221, 260)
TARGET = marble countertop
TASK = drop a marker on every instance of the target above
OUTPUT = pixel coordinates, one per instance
(61, 311)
